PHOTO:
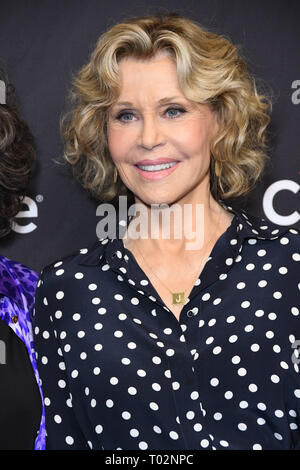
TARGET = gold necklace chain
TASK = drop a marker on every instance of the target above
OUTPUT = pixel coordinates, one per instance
(178, 298)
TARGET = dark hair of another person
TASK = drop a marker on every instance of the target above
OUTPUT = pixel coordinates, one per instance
(17, 158)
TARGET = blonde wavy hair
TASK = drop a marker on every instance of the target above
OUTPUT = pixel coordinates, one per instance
(210, 71)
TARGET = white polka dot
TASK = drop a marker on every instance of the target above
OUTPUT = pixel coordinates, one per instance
(261, 406)
(275, 379)
(170, 352)
(236, 360)
(253, 388)
(58, 314)
(118, 297)
(224, 443)
(214, 382)
(143, 445)
(295, 311)
(175, 385)
(126, 415)
(57, 419)
(261, 421)
(78, 275)
(261, 252)
(233, 338)
(206, 297)
(217, 350)
(92, 286)
(242, 426)
(204, 443)
(241, 285)
(197, 427)
(282, 270)
(156, 387)
(98, 429)
(250, 267)
(267, 267)
(230, 319)
(257, 447)
(118, 334)
(154, 406)
(243, 404)
(190, 415)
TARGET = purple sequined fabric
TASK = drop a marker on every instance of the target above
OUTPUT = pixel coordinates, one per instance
(17, 289)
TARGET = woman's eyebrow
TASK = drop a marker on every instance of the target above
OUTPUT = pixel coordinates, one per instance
(161, 101)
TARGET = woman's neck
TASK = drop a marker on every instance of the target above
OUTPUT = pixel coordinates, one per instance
(174, 231)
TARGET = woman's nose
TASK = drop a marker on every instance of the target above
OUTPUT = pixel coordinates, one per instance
(151, 133)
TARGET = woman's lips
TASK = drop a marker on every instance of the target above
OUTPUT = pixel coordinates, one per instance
(156, 175)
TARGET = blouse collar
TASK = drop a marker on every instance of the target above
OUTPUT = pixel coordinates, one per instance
(243, 226)
(224, 254)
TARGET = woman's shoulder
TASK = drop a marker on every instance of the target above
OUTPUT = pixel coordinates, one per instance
(87, 255)
(255, 227)
(17, 280)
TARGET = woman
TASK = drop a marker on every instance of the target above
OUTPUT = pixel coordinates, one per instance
(22, 423)
(142, 342)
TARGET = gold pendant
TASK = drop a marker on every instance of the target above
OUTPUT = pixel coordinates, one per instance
(178, 298)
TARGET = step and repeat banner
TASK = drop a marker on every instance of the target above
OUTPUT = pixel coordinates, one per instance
(43, 43)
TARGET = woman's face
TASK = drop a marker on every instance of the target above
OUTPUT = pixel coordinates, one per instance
(153, 120)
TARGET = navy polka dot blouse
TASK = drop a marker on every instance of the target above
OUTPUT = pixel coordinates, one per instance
(119, 371)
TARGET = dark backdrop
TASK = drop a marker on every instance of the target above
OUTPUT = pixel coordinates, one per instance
(44, 42)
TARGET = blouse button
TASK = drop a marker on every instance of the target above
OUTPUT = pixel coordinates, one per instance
(190, 313)
(15, 319)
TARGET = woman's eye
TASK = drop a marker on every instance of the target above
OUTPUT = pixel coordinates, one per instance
(171, 112)
(174, 112)
(121, 115)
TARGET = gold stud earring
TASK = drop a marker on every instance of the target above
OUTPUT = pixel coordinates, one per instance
(115, 175)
